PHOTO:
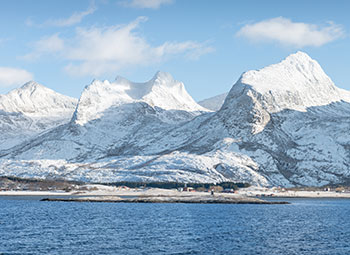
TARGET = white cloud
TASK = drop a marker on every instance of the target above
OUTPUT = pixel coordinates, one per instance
(97, 50)
(192, 50)
(149, 4)
(13, 76)
(287, 32)
(50, 44)
(45, 45)
(74, 19)
(102, 50)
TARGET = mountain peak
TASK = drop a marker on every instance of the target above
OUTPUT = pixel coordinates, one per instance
(31, 84)
(32, 89)
(163, 78)
(35, 99)
(297, 82)
(29, 87)
(295, 72)
(162, 91)
(299, 56)
(159, 78)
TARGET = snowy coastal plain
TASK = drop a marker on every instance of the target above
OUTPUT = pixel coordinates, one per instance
(284, 125)
(99, 192)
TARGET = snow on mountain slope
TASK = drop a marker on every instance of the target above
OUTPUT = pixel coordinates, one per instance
(35, 100)
(295, 83)
(290, 142)
(292, 121)
(31, 109)
(213, 103)
(286, 124)
(161, 91)
(115, 118)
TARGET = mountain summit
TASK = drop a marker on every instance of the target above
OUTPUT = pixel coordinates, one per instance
(295, 83)
(162, 91)
(30, 110)
(284, 125)
(37, 100)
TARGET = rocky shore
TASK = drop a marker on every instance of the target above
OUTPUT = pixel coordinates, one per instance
(216, 199)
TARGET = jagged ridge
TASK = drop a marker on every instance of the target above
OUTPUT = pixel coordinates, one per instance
(286, 124)
(161, 91)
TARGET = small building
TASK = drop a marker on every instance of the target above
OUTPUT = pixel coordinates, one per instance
(189, 189)
(228, 190)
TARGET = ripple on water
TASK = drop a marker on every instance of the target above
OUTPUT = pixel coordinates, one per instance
(305, 227)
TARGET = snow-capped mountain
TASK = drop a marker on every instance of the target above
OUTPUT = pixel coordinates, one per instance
(113, 119)
(161, 92)
(296, 83)
(30, 110)
(213, 103)
(291, 120)
(286, 124)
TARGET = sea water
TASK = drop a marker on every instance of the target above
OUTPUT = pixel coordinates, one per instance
(306, 226)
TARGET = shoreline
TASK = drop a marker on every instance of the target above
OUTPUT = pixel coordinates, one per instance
(277, 193)
(102, 191)
(202, 200)
(34, 193)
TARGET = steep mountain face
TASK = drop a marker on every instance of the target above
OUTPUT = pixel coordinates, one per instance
(292, 121)
(213, 103)
(30, 110)
(296, 83)
(161, 92)
(286, 124)
(117, 118)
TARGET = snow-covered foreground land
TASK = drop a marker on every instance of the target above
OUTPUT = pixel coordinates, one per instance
(95, 191)
(284, 125)
(280, 193)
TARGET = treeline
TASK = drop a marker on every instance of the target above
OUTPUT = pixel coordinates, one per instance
(176, 185)
(162, 185)
(33, 180)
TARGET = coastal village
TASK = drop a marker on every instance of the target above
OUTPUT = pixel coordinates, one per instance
(15, 185)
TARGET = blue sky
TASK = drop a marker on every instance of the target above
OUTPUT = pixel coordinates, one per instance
(64, 45)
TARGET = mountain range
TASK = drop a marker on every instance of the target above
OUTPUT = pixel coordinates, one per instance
(284, 125)
(214, 103)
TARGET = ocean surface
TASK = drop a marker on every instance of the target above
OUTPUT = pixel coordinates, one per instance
(306, 226)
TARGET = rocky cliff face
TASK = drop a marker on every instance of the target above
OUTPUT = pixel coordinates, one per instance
(286, 124)
(292, 121)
